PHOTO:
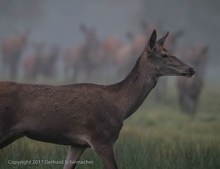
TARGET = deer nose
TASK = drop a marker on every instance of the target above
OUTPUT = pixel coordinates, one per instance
(192, 71)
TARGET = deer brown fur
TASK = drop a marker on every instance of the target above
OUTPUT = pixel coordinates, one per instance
(83, 115)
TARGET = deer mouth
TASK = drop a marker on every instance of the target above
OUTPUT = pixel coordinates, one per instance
(189, 73)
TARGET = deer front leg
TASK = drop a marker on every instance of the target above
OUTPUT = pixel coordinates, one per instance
(107, 155)
(182, 102)
(7, 139)
(73, 155)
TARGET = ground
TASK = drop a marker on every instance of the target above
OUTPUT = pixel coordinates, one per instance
(157, 136)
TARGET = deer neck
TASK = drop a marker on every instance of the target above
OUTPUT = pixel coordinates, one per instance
(132, 91)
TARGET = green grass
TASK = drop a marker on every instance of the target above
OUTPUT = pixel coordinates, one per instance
(157, 136)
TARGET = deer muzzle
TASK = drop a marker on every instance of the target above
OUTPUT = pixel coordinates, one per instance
(189, 72)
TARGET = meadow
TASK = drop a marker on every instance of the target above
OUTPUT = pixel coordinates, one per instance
(157, 136)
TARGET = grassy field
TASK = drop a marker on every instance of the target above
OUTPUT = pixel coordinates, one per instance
(157, 136)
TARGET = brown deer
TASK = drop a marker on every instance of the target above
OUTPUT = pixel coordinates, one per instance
(32, 62)
(127, 53)
(90, 52)
(48, 64)
(81, 60)
(12, 49)
(190, 89)
(40, 63)
(72, 61)
(84, 115)
(108, 52)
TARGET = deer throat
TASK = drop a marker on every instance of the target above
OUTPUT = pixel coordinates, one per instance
(132, 91)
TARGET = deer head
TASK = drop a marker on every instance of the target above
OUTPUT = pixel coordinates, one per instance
(163, 62)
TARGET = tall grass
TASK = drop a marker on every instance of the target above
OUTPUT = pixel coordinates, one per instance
(158, 136)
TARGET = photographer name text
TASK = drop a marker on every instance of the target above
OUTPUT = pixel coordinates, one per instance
(48, 162)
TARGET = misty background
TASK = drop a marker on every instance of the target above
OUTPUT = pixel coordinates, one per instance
(72, 41)
(57, 22)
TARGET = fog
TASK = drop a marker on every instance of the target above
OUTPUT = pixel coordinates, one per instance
(57, 22)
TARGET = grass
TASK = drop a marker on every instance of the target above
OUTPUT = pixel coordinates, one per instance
(157, 136)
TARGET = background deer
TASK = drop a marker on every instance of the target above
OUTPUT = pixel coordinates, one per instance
(41, 63)
(12, 49)
(84, 115)
(82, 59)
(32, 62)
(190, 89)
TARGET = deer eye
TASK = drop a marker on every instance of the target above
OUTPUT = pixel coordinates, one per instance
(164, 56)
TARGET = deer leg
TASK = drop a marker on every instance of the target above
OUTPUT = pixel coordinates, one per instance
(107, 155)
(73, 155)
(193, 107)
(182, 102)
(187, 103)
(14, 65)
(8, 139)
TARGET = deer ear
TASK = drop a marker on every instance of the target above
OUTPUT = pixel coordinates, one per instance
(152, 41)
(162, 40)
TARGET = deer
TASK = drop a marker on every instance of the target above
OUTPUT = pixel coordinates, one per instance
(41, 63)
(12, 49)
(189, 90)
(127, 53)
(90, 55)
(109, 48)
(84, 115)
(81, 60)
(32, 63)
(49, 62)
